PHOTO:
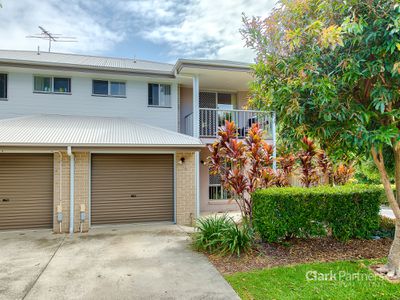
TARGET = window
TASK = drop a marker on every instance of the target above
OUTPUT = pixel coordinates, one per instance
(159, 95)
(100, 87)
(59, 85)
(109, 88)
(3, 86)
(216, 190)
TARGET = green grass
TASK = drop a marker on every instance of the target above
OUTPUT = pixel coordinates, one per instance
(291, 283)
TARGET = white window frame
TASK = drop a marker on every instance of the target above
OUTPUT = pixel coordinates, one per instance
(108, 88)
(159, 95)
(52, 85)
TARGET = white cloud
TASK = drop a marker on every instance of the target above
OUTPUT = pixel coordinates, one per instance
(70, 18)
(176, 28)
(205, 28)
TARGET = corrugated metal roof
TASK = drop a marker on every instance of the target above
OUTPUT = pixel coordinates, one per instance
(76, 60)
(59, 130)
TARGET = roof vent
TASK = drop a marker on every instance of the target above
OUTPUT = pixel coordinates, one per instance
(38, 50)
(134, 59)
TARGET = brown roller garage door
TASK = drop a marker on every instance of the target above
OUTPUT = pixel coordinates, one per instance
(26, 191)
(128, 188)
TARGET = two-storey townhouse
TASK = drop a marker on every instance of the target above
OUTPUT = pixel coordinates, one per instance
(88, 140)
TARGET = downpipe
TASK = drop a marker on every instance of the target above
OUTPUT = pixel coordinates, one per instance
(71, 189)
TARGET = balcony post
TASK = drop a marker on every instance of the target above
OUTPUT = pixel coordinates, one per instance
(274, 139)
(196, 102)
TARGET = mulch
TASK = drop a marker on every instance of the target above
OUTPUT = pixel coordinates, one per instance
(298, 251)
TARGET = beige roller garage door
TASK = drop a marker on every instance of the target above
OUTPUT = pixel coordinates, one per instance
(26, 191)
(129, 188)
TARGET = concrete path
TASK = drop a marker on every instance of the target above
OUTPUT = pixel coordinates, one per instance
(124, 262)
(386, 211)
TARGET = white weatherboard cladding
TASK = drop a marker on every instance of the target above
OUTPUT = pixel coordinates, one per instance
(23, 101)
(63, 130)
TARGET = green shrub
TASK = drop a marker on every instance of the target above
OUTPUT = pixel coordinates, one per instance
(386, 228)
(220, 234)
(350, 211)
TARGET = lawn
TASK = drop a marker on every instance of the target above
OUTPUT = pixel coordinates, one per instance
(333, 280)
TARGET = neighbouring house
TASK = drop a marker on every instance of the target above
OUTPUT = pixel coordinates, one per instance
(88, 140)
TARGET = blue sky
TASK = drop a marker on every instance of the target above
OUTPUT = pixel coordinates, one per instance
(160, 30)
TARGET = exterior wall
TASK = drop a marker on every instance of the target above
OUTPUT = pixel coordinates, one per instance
(22, 100)
(207, 205)
(242, 99)
(81, 190)
(61, 197)
(186, 105)
(185, 189)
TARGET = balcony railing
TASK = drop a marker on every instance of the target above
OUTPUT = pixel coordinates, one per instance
(210, 119)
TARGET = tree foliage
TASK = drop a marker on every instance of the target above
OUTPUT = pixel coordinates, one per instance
(331, 71)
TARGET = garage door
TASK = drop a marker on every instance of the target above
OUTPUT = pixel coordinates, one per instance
(131, 188)
(26, 191)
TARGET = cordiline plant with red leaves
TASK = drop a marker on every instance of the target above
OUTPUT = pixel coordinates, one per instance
(309, 173)
(243, 165)
(287, 164)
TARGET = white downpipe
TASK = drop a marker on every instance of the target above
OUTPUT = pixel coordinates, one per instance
(71, 189)
(196, 102)
(60, 169)
(197, 183)
(274, 139)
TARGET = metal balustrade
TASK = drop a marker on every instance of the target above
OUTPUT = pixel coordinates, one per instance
(211, 119)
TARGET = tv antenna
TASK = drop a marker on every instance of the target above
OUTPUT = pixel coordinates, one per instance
(52, 37)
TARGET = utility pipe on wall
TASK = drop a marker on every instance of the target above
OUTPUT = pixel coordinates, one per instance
(59, 206)
(197, 182)
(71, 189)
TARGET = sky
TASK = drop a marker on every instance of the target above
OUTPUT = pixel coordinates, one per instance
(158, 30)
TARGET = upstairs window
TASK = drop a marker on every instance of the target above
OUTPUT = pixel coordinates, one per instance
(159, 95)
(109, 88)
(3, 86)
(46, 84)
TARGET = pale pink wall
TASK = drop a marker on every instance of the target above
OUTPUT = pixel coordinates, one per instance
(186, 105)
(242, 99)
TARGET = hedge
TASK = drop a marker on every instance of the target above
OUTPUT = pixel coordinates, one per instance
(350, 211)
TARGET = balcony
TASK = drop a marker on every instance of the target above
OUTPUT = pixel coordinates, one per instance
(210, 119)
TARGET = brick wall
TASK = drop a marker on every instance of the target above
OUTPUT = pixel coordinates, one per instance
(81, 189)
(185, 189)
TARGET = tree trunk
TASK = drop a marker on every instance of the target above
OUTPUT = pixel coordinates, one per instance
(393, 266)
(397, 170)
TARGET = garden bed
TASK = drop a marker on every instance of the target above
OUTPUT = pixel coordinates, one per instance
(298, 251)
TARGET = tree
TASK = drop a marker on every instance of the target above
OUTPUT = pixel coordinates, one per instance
(331, 71)
(243, 166)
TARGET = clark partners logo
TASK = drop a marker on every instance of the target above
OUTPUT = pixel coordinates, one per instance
(313, 275)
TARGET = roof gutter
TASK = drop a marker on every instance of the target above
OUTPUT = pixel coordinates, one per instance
(71, 189)
(160, 146)
(209, 66)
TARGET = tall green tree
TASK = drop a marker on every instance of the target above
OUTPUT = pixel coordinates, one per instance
(331, 71)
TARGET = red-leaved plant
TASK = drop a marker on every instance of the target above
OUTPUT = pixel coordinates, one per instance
(243, 165)
(325, 166)
(309, 175)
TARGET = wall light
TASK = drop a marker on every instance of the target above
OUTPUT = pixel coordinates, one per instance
(181, 161)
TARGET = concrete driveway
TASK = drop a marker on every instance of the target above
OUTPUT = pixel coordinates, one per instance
(124, 262)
